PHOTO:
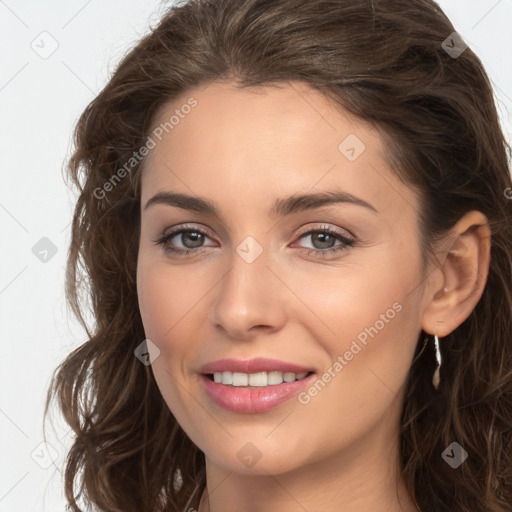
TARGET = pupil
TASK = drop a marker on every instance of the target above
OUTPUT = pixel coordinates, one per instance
(326, 239)
(196, 239)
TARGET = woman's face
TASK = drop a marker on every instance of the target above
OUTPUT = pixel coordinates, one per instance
(317, 284)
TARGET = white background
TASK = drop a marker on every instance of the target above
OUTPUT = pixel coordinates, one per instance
(40, 100)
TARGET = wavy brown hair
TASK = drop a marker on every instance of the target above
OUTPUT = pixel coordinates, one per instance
(383, 60)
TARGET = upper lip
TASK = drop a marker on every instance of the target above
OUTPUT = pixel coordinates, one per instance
(256, 365)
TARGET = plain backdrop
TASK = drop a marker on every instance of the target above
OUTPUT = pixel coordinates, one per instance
(55, 57)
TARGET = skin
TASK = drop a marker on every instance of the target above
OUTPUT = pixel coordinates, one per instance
(242, 149)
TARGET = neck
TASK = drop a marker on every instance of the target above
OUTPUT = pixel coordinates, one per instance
(350, 482)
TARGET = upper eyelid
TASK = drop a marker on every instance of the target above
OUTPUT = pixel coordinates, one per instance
(324, 227)
(303, 232)
(186, 228)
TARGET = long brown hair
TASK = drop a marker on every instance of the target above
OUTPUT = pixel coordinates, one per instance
(383, 60)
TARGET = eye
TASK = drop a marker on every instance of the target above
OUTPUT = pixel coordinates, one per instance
(191, 238)
(324, 241)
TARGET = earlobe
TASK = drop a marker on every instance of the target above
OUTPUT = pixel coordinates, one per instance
(463, 274)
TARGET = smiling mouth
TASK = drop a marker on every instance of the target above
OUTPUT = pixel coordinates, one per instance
(256, 380)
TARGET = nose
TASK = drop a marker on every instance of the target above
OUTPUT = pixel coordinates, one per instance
(249, 300)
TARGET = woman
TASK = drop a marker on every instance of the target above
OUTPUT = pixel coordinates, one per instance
(294, 222)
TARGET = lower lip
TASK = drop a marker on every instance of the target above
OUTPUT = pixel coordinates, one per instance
(253, 400)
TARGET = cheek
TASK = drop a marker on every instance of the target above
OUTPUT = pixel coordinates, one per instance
(374, 320)
(166, 296)
(368, 315)
(172, 305)
(348, 299)
(163, 307)
(155, 301)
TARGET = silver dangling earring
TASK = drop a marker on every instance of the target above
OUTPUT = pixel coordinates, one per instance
(436, 379)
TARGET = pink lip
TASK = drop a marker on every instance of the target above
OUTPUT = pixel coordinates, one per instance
(256, 365)
(250, 400)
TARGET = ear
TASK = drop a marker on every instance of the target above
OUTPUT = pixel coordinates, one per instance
(458, 280)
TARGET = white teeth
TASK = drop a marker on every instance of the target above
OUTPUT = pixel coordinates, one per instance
(259, 379)
(288, 377)
(274, 378)
(240, 379)
(227, 377)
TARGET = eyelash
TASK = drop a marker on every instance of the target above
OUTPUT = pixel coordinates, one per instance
(347, 243)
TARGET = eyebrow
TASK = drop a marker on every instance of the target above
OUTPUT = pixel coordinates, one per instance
(281, 207)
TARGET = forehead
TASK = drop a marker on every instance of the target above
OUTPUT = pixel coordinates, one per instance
(276, 138)
(284, 116)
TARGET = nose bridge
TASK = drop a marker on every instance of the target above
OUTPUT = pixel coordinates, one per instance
(246, 297)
